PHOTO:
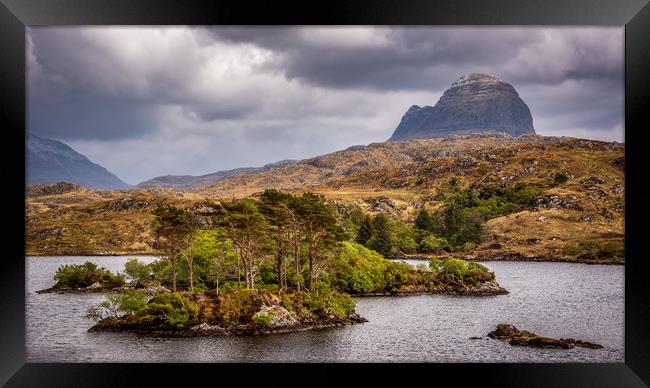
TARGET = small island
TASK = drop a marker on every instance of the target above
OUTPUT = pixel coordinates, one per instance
(277, 264)
(144, 306)
(516, 337)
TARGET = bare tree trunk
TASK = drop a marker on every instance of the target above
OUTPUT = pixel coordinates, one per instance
(239, 269)
(217, 284)
(190, 262)
(173, 260)
(311, 268)
(279, 262)
(297, 256)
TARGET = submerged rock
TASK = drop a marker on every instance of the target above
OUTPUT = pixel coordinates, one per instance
(516, 337)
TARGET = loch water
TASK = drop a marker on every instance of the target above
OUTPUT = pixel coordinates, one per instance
(562, 300)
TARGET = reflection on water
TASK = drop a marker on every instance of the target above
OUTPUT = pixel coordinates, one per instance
(553, 299)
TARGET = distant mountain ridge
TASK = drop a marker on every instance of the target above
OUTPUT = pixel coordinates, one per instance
(188, 181)
(51, 161)
(474, 103)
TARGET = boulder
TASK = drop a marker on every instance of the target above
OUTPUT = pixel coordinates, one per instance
(95, 286)
(280, 317)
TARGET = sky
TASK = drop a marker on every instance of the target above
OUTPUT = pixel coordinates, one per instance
(151, 101)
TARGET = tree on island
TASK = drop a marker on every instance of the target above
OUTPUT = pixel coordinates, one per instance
(247, 228)
(322, 233)
(174, 229)
(274, 205)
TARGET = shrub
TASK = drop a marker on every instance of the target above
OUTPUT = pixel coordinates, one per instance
(117, 305)
(84, 275)
(433, 244)
(238, 306)
(138, 271)
(170, 310)
(262, 319)
(266, 273)
(560, 178)
(461, 272)
(571, 249)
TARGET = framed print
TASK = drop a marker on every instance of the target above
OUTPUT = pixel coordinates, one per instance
(447, 188)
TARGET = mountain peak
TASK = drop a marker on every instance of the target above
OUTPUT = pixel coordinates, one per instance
(51, 161)
(474, 103)
(475, 77)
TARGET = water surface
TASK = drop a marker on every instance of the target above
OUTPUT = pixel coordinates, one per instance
(553, 299)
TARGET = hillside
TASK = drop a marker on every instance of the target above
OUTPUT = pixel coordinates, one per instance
(50, 161)
(396, 178)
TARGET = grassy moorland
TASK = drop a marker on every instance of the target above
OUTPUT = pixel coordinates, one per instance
(475, 197)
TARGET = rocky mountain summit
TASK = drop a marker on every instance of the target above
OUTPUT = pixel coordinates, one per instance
(51, 161)
(474, 103)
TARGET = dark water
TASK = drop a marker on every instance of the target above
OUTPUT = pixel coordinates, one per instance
(553, 299)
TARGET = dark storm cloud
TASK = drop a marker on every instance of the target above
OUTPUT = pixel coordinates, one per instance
(190, 100)
(425, 58)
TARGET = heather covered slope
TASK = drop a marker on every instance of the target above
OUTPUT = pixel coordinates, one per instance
(567, 220)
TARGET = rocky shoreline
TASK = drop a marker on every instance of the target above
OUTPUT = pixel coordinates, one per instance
(514, 256)
(490, 288)
(206, 330)
(98, 288)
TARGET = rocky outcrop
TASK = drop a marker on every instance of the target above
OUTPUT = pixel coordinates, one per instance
(516, 337)
(474, 103)
(52, 189)
(125, 204)
(277, 316)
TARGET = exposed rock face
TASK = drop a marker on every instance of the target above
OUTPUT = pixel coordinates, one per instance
(474, 103)
(279, 316)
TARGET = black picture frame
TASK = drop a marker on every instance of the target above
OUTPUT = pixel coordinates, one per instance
(16, 14)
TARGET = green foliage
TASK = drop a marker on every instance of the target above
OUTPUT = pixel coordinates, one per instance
(423, 220)
(461, 221)
(172, 224)
(560, 178)
(321, 303)
(571, 249)
(461, 272)
(382, 238)
(117, 305)
(239, 306)
(266, 273)
(84, 275)
(360, 270)
(595, 249)
(365, 230)
(432, 244)
(403, 237)
(262, 319)
(138, 271)
(170, 310)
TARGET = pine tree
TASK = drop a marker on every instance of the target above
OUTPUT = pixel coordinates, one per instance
(382, 239)
(423, 220)
(365, 230)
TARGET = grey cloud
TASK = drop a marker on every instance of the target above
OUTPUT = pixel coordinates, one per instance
(149, 101)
